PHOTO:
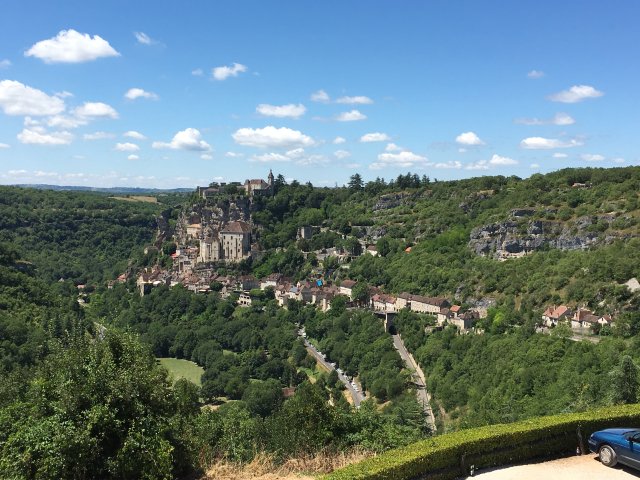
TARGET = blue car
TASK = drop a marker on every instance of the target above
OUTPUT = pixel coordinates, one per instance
(615, 445)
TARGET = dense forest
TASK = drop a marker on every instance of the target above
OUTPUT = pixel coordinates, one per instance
(83, 395)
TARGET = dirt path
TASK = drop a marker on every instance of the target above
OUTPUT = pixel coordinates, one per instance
(585, 467)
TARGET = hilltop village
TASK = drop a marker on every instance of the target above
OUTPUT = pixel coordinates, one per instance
(217, 234)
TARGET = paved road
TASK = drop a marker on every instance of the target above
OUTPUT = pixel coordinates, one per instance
(418, 377)
(585, 467)
(357, 397)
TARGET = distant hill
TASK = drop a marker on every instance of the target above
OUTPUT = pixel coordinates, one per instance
(122, 190)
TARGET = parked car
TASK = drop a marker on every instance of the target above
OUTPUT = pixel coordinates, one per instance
(617, 445)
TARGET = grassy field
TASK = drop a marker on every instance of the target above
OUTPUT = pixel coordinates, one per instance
(137, 198)
(179, 368)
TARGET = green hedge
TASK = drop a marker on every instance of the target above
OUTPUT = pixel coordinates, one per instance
(451, 455)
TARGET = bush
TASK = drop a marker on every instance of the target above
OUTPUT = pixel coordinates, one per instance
(449, 456)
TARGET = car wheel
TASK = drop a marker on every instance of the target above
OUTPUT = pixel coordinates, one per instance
(607, 456)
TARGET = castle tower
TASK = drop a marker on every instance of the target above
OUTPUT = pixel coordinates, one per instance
(270, 182)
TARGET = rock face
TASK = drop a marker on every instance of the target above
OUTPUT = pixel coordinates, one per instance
(513, 239)
(391, 200)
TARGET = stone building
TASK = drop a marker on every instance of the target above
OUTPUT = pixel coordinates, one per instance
(256, 187)
(236, 241)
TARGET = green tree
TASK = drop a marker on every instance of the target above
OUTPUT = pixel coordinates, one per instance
(624, 382)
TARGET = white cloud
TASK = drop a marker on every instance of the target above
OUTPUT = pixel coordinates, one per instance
(134, 93)
(224, 72)
(534, 166)
(591, 157)
(352, 116)
(63, 121)
(497, 160)
(134, 134)
(341, 154)
(133, 157)
(143, 38)
(392, 147)
(19, 99)
(70, 46)
(359, 100)
(63, 94)
(535, 74)
(98, 135)
(281, 111)
(206, 156)
(4, 145)
(540, 143)
(126, 147)
(234, 155)
(619, 160)
(91, 110)
(480, 165)
(188, 139)
(39, 136)
(558, 119)
(6, 63)
(375, 137)
(448, 165)
(272, 137)
(576, 93)
(320, 96)
(469, 138)
(560, 155)
(402, 159)
(198, 72)
(339, 140)
(270, 157)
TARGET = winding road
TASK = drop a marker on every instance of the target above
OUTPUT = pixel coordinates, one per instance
(357, 396)
(418, 377)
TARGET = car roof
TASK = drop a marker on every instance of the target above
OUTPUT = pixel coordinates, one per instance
(620, 431)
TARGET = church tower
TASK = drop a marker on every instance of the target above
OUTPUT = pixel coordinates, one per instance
(270, 182)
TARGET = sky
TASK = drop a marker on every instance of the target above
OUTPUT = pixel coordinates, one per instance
(171, 94)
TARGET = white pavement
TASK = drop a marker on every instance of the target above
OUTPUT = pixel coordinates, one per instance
(584, 467)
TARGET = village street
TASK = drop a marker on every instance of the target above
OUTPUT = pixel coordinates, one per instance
(357, 396)
(424, 398)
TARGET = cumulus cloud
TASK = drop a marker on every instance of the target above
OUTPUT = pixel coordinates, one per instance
(392, 147)
(352, 116)
(6, 63)
(134, 93)
(480, 165)
(92, 110)
(134, 134)
(375, 137)
(234, 155)
(63, 121)
(296, 155)
(558, 119)
(281, 111)
(188, 139)
(455, 165)
(224, 72)
(497, 160)
(39, 136)
(97, 136)
(560, 155)
(339, 140)
(70, 46)
(341, 154)
(19, 99)
(591, 157)
(126, 147)
(575, 94)
(541, 143)
(133, 157)
(143, 38)
(4, 145)
(320, 96)
(358, 100)
(535, 74)
(206, 156)
(402, 159)
(272, 137)
(270, 157)
(469, 138)
(198, 72)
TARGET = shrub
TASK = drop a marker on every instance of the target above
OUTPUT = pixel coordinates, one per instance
(449, 456)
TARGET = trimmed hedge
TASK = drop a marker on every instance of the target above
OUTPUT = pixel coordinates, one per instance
(451, 455)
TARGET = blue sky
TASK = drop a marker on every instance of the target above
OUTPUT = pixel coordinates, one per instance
(169, 94)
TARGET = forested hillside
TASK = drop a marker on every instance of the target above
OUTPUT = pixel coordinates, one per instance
(77, 236)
